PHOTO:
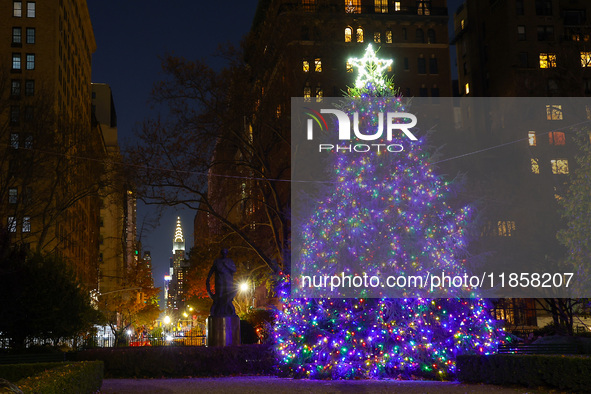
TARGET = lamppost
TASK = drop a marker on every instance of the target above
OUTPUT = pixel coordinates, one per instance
(245, 287)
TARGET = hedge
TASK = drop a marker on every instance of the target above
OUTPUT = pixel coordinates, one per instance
(571, 373)
(180, 361)
(50, 378)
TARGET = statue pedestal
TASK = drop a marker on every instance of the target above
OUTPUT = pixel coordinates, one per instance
(223, 331)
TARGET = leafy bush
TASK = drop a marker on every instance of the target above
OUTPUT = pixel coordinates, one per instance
(571, 373)
(49, 378)
(170, 361)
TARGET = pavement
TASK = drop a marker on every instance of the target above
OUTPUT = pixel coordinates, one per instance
(266, 384)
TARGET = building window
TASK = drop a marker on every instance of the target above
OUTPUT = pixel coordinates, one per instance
(319, 93)
(307, 92)
(15, 88)
(552, 86)
(26, 224)
(521, 33)
(29, 87)
(15, 114)
(424, 7)
(388, 36)
(543, 7)
(535, 166)
(420, 35)
(547, 60)
(30, 61)
(523, 63)
(556, 138)
(353, 6)
(396, 6)
(421, 65)
(17, 35)
(30, 35)
(585, 59)
(309, 5)
(587, 85)
(545, 33)
(29, 113)
(12, 195)
(381, 6)
(433, 69)
(305, 66)
(11, 224)
(423, 92)
(377, 37)
(559, 166)
(349, 67)
(467, 88)
(30, 9)
(531, 137)
(14, 140)
(359, 34)
(431, 39)
(435, 91)
(28, 141)
(17, 9)
(506, 228)
(16, 61)
(406, 67)
(519, 7)
(318, 65)
(554, 112)
(348, 34)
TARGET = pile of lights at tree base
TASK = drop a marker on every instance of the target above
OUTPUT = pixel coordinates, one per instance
(345, 338)
(390, 215)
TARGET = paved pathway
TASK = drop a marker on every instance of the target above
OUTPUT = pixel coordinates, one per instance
(262, 384)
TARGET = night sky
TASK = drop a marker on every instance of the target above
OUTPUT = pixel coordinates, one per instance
(131, 35)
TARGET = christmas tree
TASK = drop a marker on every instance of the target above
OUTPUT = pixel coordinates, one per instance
(390, 214)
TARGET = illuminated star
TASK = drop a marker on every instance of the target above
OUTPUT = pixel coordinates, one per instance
(370, 69)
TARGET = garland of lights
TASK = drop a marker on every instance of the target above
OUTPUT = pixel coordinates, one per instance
(402, 201)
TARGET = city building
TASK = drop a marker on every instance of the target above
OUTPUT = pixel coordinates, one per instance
(179, 265)
(51, 153)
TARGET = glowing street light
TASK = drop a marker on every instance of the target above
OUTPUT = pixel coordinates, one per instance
(244, 287)
(166, 319)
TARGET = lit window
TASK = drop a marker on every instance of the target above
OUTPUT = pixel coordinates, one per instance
(29, 87)
(588, 111)
(12, 195)
(15, 88)
(506, 228)
(17, 35)
(309, 5)
(26, 224)
(30, 61)
(381, 6)
(307, 93)
(462, 24)
(353, 6)
(585, 59)
(17, 8)
(319, 93)
(305, 66)
(278, 112)
(318, 65)
(557, 138)
(554, 112)
(30, 9)
(467, 88)
(396, 6)
(531, 136)
(16, 61)
(349, 67)
(30, 35)
(547, 60)
(535, 166)
(423, 7)
(559, 166)
(377, 37)
(389, 36)
(359, 34)
(348, 34)
(11, 224)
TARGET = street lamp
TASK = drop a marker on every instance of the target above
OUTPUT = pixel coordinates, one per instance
(167, 319)
(244, 287)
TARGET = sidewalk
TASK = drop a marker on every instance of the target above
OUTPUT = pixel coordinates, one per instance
(264, 384)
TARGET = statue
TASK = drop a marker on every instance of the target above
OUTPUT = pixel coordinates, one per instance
(224, 269)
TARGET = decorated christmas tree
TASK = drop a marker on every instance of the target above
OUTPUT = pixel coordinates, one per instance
(390, 213)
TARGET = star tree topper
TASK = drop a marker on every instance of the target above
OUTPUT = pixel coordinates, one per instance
(370, 69)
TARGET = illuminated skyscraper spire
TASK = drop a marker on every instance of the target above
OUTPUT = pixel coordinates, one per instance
(178, 242)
